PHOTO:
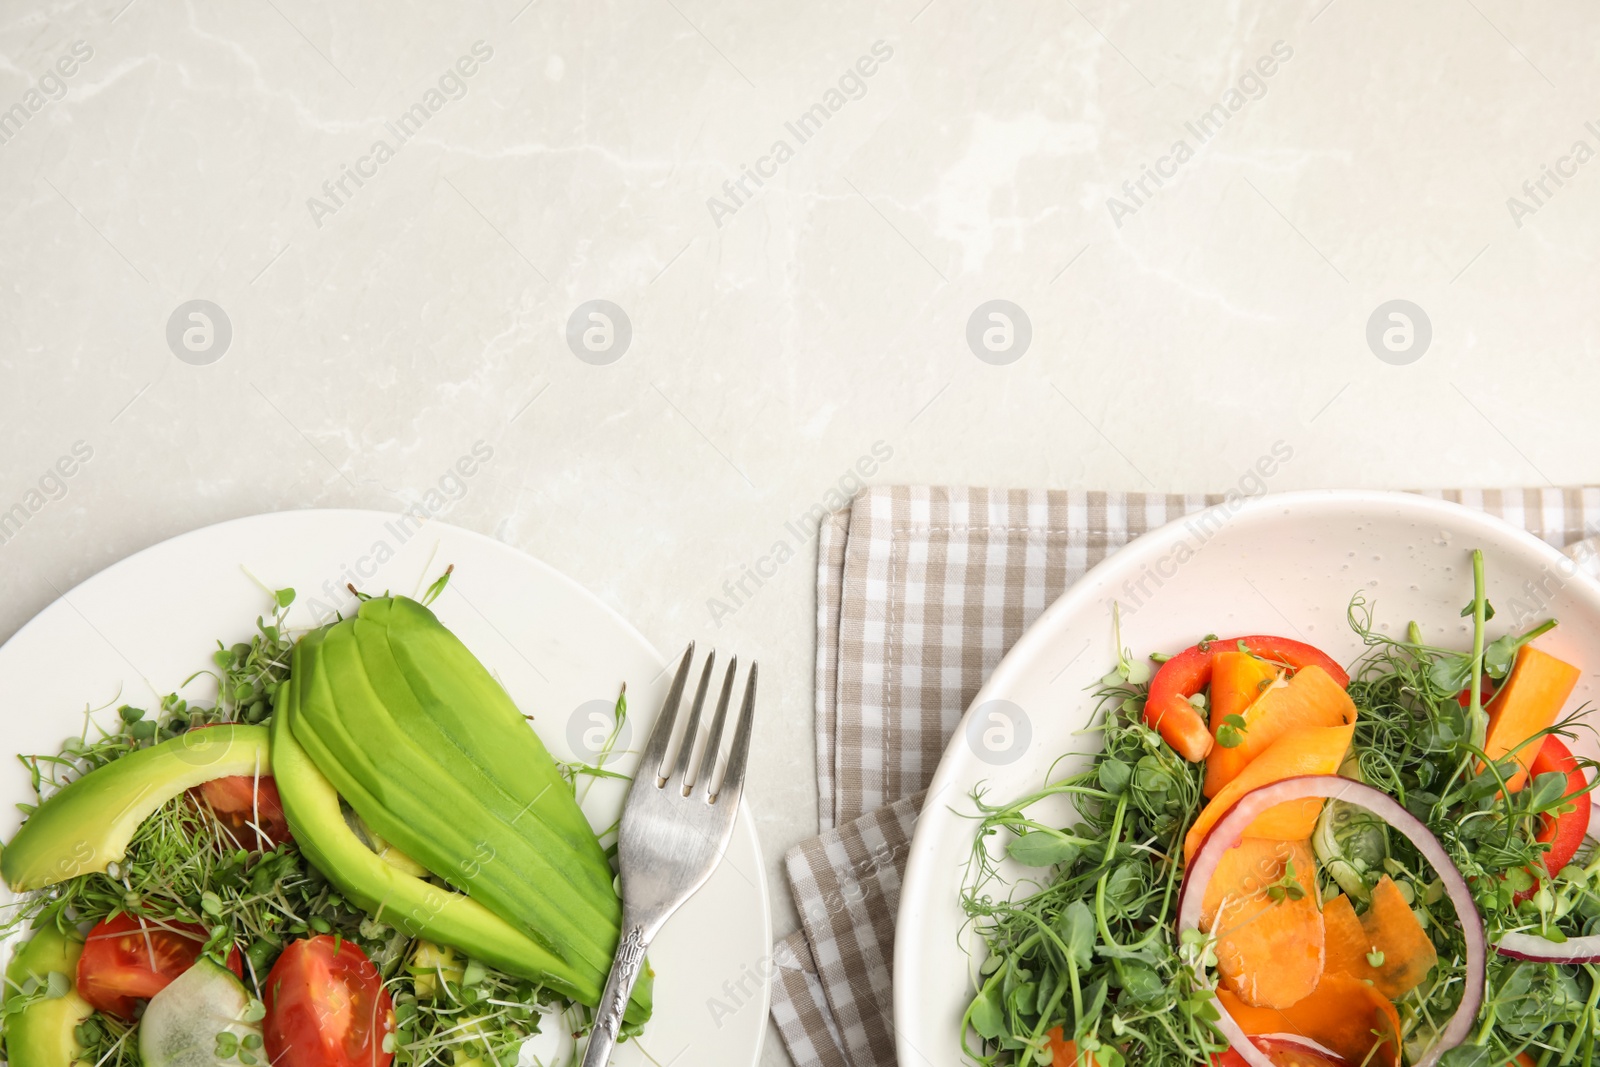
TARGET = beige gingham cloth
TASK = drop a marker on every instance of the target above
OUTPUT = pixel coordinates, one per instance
(920, 591)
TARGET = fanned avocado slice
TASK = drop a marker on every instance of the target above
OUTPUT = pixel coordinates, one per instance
(430, 751)
(88, 824)
(394, 896)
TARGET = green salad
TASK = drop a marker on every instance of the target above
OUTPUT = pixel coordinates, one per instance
(357, 854)
(1273, 858)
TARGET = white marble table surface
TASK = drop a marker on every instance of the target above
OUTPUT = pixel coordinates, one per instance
(390, 309)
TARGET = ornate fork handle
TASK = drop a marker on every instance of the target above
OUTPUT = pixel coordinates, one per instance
(675, 827)
(625, 968)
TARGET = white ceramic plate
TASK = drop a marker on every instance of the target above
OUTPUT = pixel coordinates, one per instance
(1277, 564)
(139, 628)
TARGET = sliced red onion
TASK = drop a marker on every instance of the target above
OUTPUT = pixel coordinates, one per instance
(1520, 946)
(1228, 832)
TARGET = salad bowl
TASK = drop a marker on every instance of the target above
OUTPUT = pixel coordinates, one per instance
(1282, 564)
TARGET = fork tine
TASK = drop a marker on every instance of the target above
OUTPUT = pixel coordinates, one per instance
(739, 754)
(691, 733)
(706, 769)
(655, 751)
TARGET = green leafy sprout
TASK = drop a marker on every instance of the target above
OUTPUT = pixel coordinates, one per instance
(1091, 944)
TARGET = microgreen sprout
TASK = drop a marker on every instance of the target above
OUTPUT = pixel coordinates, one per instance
(1288, 887)
(1231, 731)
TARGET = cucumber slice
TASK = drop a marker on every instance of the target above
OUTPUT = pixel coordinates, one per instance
(181, 1025)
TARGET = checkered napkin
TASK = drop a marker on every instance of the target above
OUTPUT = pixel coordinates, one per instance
(920, 591)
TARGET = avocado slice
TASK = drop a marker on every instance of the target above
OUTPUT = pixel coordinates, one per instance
(419, 908)
(89, 823)
(428, 748)
(42, 1034)
(451, 817)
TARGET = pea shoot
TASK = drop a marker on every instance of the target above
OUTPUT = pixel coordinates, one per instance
(1094, 951)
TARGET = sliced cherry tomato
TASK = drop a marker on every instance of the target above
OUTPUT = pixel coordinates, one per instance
(1563, 833)
(243, 803)
(126, 960)
(1464, 698)
(1167, 709)
(326, 1007)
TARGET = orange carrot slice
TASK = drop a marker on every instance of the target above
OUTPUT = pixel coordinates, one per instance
(1313, 750)
(1389, 933)
(1269, 944)
(1345, 940)
(1237, 680)
(1530, 700)
(1311, 698)
(1247, 869)
(1344, 1014)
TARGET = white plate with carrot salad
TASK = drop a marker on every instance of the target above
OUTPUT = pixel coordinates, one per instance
(1304, 782)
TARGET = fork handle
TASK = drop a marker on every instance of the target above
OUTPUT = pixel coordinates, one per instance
(625, 968)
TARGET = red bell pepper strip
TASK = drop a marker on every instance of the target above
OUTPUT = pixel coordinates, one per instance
(1563, 833)
(1167, 709)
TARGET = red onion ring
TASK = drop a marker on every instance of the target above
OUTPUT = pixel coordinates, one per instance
(1228, 832)
(1532, 947)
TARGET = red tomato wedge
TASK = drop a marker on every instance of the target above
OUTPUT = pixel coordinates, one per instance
(1486, 693)
(326, 1007)
(242, 804)
(1167, 708)
(126, 960)
(1563, 833)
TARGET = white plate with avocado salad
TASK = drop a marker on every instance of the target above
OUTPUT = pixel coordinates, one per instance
(259, 819)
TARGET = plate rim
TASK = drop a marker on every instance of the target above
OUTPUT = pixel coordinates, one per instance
(312, 513)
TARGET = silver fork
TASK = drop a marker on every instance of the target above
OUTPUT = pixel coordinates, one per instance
(675, 828)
